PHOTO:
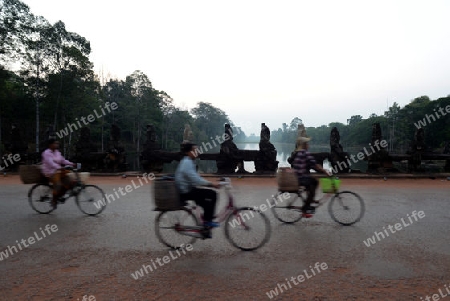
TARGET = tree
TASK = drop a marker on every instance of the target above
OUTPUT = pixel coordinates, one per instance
(391, 115)
(355, 119)
(294, 124)
(35, 64)
(15, 22)
(209, 120)
(143, 105)
(419, 101)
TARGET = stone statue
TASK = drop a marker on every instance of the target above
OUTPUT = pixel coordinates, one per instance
(419, 138)
(378, 161)
(337, 154)
(151, 134)
(416, 149)
(86, 151)
(230, 157)
(188, 136)
(84, 143)
(335, 138)
(50, 132)
(229, 131)
(17, 145)
(266, 161)
(446, 148)
(265, 133)
(376, 132)
(115, 158)
(115, 133)
(301, 131)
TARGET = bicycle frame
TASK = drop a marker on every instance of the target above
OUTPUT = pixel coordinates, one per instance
(339, 204)
(225, 211)
(221, 217)
(320, 202)
(188, 221)
(73, 190)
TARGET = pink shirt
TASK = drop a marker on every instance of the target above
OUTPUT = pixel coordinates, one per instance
(52, 161)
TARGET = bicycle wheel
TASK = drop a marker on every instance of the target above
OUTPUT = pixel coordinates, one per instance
(40, 198)
(288, 210)
(168, 225)
(247, 229)
(346, 208)
(90, 199)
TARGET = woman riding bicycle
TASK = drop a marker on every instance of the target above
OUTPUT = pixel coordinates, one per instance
(52, 161)
(302, 163)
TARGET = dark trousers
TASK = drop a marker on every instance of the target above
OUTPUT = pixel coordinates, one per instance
(310, 184)
(205, 198)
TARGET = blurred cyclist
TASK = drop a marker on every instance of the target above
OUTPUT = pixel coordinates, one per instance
(303, 162)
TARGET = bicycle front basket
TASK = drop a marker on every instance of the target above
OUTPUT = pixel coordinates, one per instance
(328, 183)
(166, 195)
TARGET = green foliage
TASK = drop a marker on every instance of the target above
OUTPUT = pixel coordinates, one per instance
(57, 86)
(397, 125)
(209, 120)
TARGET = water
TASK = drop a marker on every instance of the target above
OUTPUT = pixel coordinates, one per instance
(284, 150)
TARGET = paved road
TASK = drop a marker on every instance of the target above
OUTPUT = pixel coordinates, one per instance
(95, 256)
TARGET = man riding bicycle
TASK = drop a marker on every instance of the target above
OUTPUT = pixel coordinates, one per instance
(52, 161)
(186, 180)
(303, 162)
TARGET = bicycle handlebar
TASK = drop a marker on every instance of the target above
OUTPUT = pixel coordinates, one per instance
(224, 182)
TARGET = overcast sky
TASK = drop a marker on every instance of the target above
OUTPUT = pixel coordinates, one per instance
(270, 61)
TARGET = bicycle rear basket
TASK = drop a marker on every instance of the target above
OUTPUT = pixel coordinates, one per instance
(166, 195)
(30, 174)
(330, 184)
(287, 180)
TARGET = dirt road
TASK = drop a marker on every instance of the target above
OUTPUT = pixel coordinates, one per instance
(98, 257)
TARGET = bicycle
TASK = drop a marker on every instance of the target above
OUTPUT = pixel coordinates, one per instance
(185, 224)
(90, 199)
(345, 207)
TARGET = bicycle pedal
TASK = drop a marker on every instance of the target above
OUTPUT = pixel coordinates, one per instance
(206, 234)
(192, 233)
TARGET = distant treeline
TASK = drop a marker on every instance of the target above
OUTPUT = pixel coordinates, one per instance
(398, 126)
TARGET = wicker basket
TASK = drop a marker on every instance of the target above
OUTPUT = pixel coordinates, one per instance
(287, 180)
(30, 174)
(84, 176)
(166, 195)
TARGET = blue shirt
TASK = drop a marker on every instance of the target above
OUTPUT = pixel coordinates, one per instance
(186, 176)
